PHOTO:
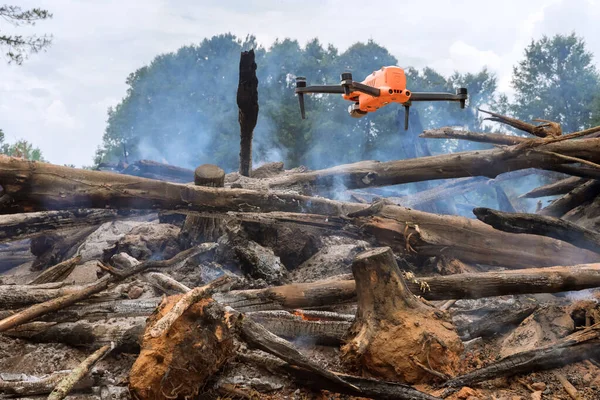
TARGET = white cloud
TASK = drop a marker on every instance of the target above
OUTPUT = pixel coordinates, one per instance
(58, 99)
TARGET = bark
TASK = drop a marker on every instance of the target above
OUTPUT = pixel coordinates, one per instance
(546, 129)
(470, 241)
(69, 382)
(459, 286)
(247, 101)
(451, 133)
(126, 333)
(575, 347)
(540, 225)
(60, 248)
(444, 191)
(580, 171)
(561, 187)
(575, 197)
(156, 170)
(34, 385)
(302, 328)
(198, 229)
(395, 334)
(57, 273)
(489, 163)
(23, 226)
(260, 338)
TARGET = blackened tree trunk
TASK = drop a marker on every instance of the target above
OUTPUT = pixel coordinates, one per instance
(247, 101)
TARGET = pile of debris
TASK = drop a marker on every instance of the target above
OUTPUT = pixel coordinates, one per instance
(116, 286)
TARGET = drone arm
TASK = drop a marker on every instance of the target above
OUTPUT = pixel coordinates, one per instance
(370, 90)
(321, 89)
(461, 96)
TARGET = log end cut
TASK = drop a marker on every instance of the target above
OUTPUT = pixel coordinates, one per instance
(396, 336)
(178, 363)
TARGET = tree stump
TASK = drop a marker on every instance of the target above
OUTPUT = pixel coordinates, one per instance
(395, 335)
(197, 229)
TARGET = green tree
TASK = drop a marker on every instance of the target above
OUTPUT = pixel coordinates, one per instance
(21, 148)
(556, 81)
(19, 46)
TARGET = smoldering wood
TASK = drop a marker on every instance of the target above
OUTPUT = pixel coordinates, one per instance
(552, 189)
(27, 225)
(451, 133)
(540, 225)
(575, 347)
(580, 171)
(57, 272)
(27, 385)
(577, 196)
(459, 286)
(49, 306)
(369, 388)
(247, 101)
(546, 129)
(470, 241)
(492, 322)
(126, 333)
(155, 170)
(69, 382)
(198, 229)
(64, 246)
(291, 326)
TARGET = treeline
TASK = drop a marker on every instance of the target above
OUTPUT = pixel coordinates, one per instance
(181, 109)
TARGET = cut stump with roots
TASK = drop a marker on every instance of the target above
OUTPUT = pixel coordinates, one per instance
(396, 336)
(177, 363)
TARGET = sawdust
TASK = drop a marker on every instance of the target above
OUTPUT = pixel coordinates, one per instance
(178, 363)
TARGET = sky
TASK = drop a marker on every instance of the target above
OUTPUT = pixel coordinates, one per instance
(58, 99)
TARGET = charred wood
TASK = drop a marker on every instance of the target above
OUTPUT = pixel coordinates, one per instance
(561, 187)
(451, 133)
(247, 101)
(25, 385)
(60, 248)
(540, 225)
(155, 170)
(22, 226)
(575, 197)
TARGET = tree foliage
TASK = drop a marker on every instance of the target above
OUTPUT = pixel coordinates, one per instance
(556, 81)
(21, 148)
(181, 108)
(19, 46)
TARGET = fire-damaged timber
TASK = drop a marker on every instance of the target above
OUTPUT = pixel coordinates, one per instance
(540, 225)
(247, 101)
(42, 185)
(396, 336)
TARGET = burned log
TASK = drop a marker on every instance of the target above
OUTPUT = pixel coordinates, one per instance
(58, 248)
(247, 101)
(561, 187)
(155, 170)
(575, 197)
(451, 133)
(27, 225)
(396, 336)
(50, 186)
(540, 225)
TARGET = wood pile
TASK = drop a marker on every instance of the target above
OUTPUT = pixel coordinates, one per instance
(211, 286)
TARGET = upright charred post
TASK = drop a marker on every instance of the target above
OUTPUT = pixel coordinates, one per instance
(198, 229)
(247, 101)
(395, 335)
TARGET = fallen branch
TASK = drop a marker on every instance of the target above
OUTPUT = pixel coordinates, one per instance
(561, 187)
(186, 301)
(38, 310)
(451, 133)
(575, 347)
(575, 197)
(58, 272)
(68, 383)
(540, 225)
(33, 385)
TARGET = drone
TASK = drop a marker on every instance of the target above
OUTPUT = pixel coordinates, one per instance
(388, 85)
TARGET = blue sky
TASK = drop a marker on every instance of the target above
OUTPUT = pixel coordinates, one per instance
(58, 99)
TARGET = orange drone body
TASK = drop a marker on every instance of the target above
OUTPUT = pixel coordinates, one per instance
(391, 81)
(388, 85)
